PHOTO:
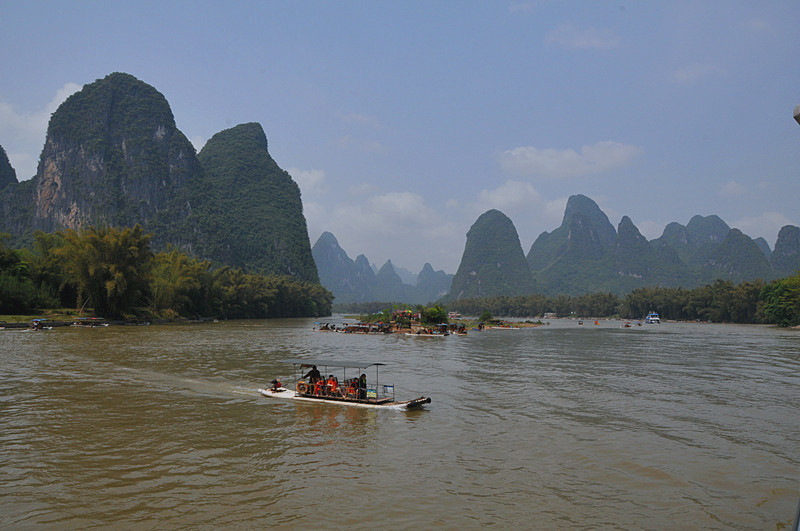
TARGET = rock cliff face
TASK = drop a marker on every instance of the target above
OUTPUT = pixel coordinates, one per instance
(112, 155)
(786, 256)
(493, 262)
(7, 173)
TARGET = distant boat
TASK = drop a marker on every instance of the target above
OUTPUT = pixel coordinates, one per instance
(652, 318)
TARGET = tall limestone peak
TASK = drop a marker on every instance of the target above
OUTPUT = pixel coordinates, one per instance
(675, 234)
(676, 239)
(7, 173)
(630, 246)
(493, 262)
(582, 205)
(327, 239)
(583, 239)
(703, 230)
(248, 209)
(585, 231)
(349, 281)
(363, 267)
(388, 284)
(738, 258)
(331, 260)
(433, 285)
(786, 256)
(112, 155)
(545, 248)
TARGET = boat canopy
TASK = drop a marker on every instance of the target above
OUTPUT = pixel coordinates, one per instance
(328, 363)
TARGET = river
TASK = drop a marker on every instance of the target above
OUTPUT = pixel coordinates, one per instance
(676, 425)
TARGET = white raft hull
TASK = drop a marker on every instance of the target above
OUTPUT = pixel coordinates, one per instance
(283, 392)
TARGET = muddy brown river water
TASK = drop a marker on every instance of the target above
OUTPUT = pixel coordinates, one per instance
(662, 426)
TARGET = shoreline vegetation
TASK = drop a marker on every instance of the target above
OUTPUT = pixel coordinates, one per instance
(112, 273)
(756, 302)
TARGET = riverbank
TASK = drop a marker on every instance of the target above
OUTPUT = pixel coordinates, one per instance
(13, 322)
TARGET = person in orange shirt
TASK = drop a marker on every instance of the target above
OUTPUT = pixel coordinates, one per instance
(333, 386)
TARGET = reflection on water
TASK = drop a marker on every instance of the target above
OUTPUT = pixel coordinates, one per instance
(558, 426)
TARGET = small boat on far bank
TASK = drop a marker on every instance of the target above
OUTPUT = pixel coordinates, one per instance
(652, 318)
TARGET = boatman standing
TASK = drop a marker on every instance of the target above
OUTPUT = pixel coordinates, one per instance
(362, 386)
(313, 375)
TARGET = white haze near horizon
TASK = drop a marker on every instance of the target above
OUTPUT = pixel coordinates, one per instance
(402, 123)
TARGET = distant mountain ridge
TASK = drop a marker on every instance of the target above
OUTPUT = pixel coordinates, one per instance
(113, 156)
(355, 280)
(583, 255)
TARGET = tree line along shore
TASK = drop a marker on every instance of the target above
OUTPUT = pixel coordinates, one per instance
(757, 302)
(112, 273)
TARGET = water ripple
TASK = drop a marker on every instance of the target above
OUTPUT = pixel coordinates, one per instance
(683, 425)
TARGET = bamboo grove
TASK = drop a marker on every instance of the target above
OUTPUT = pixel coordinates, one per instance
(115, 273)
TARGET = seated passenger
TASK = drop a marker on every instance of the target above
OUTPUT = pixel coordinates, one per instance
(333, 386)
(352, 387)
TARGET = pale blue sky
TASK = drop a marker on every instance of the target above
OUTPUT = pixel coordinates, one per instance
(404, 121)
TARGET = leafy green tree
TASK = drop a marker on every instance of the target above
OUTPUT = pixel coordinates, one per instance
(175, 283)
(19, 293)
(781, 299)
(434, 315)
(47, 268)
(110, 266)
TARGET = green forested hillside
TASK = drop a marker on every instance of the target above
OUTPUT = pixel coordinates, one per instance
(493, 262)
(576, 258)
(247, 211)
